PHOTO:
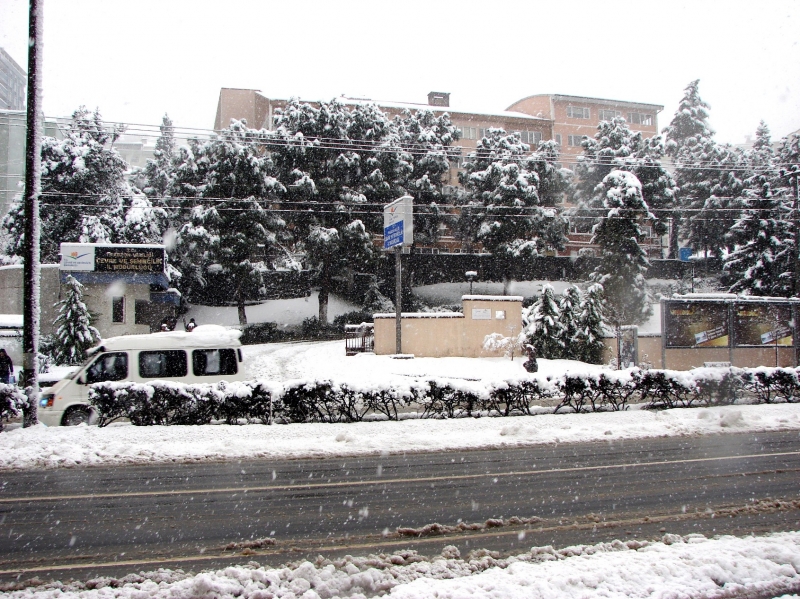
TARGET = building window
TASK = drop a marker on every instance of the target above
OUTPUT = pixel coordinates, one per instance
(575, 140)
(609, 115)
(468, 132)
(117, 309)
(530, 137)
(558, 138)
(575, 112)
(640, 118)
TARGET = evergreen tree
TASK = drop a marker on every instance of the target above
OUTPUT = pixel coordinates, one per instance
(335, 163)
(569, 307)
(689, 126)
(230, 232)
(762, 262)
(623, 263)
(616, 147)
(74, 331)
(426, 138)
(159, 171)
(711, 180)
(83, 188)
(501, 202)
(590, 325)
(542, 326)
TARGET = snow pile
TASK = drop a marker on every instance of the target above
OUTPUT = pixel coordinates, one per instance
(42, 447)
(691, 566)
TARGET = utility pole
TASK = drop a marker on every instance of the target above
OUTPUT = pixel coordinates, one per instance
(398, 299)
(30, 272)
(796, 227)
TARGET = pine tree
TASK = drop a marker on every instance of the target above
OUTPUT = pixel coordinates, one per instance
(74, 331)
(326, 157)
(543, 328)
(83, 183)
(762, 262)
(159, 172)
(501, 202)
(616, 147)
(232, 237)
(590, 325)
(689, 126)
(623, 263)
(426, 138)
(569, 308)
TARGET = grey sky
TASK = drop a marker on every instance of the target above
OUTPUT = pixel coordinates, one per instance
(137, 60)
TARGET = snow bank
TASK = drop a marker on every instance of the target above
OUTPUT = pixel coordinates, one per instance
(691, 566)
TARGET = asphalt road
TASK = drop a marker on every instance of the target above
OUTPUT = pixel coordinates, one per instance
(80, 523)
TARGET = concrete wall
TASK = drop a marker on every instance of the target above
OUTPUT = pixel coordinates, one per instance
(99, 297)
(456, 335)
(649, 350)
(11, 301)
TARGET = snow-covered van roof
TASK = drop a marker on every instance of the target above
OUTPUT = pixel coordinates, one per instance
(207, 335)
(493, 298)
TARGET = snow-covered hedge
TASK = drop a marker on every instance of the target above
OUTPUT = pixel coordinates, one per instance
(163, 402)
(12, 401)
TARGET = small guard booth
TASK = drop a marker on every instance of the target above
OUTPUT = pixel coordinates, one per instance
(451, 334)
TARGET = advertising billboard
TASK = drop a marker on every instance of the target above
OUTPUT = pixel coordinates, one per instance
(697, 324)
(112, 258)
(763, 324)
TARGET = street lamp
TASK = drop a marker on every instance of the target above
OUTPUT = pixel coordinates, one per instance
(471, 276)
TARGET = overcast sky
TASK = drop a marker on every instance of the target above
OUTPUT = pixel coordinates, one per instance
(137, 60)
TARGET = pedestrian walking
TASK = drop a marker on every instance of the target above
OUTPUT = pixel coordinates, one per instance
(6, 367)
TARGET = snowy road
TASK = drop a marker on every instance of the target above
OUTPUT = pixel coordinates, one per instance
(92, 521)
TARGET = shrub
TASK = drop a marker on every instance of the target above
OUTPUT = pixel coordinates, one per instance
(12, 402)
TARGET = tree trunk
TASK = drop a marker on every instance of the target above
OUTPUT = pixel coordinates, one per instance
(324, 290)
(506, 284)
(240, 305)
(673, 238)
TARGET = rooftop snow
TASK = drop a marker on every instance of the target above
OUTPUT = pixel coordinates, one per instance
(207, 335)
(493, 298)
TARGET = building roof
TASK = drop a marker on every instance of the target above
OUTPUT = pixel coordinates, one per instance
(588, 100)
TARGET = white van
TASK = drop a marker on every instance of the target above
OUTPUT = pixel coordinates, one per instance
(208, 354)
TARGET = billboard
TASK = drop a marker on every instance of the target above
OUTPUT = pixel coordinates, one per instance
(89, 257)
(696, 324)
(763, 324)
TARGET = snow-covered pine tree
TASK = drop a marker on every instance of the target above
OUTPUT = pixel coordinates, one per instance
(711, 196)
(762, 262)
(427, 139)
(231, 240)
(501, 202)
(590, 326)
(616, 147)
(689, 126)
(569, 308)
(74, 331)
(159, 170)
(83, 179)
(623, 263)
(543, 327)
(334, 162)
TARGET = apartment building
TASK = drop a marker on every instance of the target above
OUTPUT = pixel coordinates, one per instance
(576, 116)
(259, 110)
(13, 80)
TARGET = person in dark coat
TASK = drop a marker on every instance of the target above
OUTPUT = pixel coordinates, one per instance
(191, 325)
(6, 367)
(530, 364)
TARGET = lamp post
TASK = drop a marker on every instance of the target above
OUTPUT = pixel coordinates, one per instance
(471, 276)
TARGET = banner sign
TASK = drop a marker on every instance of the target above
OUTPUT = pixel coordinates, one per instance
(112, 258)
(763, 324)
(398, 223)
(697, 324)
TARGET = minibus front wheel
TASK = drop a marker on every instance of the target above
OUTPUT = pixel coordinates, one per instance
(76, 415)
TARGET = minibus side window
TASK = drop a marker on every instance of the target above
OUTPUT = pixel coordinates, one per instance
(108, 367)
(208, 362)
(165, 363)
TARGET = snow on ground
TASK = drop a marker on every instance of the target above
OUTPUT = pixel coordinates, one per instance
(121, 443)
(288, 312)
(692, 566)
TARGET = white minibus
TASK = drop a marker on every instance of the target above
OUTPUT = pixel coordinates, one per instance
(208, 354)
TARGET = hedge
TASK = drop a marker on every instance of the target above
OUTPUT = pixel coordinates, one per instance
(168, 403)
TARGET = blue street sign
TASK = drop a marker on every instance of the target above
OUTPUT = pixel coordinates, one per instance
(393, 235)
(685, 254)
